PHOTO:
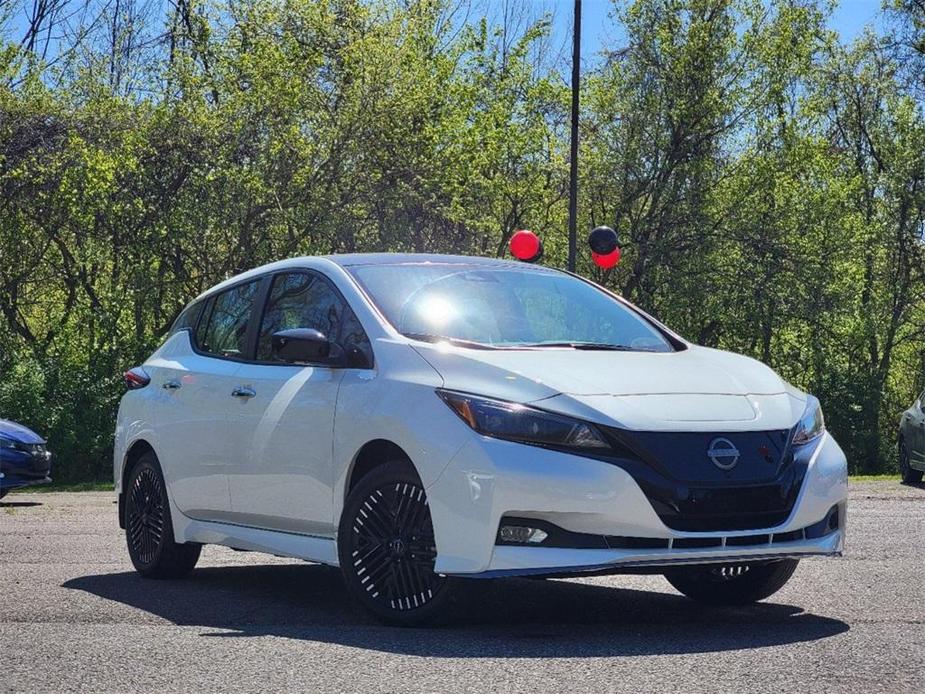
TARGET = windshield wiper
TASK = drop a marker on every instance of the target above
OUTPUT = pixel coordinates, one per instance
(601, 346)
(425, 337)
(459, 342)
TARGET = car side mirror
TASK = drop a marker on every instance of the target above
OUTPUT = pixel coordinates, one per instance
(307, 346)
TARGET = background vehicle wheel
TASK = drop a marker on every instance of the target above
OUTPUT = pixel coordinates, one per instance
(909, 476)
(148, 528)
(386, 548)
(732, 584)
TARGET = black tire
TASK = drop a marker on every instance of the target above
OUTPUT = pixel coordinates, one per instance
(386, 549)
(732, 584)
(4, 492)
(908, 475)
(148, 527)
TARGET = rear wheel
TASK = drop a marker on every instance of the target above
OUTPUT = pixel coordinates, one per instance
(4, 492)
(732, 584)
(909, 475)
(148, 528)
(387, 551)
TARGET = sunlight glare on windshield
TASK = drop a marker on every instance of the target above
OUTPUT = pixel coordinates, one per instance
(504, 306)
(436, 311)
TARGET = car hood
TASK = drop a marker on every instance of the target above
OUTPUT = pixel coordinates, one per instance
(17, 432)
(694, 389)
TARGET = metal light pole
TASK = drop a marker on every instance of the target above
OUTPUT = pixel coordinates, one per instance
(573, 161)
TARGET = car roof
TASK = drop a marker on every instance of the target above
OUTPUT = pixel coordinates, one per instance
(347, 260)
(353, 259)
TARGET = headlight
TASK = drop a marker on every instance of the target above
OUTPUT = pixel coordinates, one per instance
(811, 425)
(514, 422)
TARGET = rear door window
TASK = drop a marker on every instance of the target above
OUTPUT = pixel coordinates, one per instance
(223, 329)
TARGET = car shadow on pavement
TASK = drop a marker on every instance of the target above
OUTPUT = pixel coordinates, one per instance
(19, 504)
(519, 618)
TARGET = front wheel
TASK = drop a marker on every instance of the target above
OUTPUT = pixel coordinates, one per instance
(732, 584)
(909, 476)
(387, 551)
(148, 527)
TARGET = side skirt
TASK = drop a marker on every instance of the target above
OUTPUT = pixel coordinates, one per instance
(308, 547)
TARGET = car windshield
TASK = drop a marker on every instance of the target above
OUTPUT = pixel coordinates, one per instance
(504, 307)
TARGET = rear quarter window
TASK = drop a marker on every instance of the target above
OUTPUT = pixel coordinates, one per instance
(187, 319)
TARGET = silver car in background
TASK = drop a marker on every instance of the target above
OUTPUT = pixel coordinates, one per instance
(912, 442)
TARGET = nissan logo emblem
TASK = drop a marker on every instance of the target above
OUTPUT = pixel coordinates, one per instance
(723, 453)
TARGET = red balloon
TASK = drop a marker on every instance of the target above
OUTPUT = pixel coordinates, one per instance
(606, 260)
(525, 245)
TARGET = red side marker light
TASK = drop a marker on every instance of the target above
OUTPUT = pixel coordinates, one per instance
(526, 246)
(606, 260)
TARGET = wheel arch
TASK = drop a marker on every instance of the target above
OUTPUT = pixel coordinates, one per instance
(138, 448)
(371, 455)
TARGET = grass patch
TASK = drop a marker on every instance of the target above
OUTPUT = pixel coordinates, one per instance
(874, 478)
(54, 487)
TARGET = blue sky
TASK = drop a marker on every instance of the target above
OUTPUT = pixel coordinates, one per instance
(848, 18)
(598, 31)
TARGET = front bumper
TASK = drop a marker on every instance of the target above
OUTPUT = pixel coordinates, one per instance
(491, 479)
(21, 469)
(7, 483)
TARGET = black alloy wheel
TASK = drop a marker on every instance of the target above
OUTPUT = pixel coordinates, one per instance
(387, 550)
(148, 527)
(146, 515)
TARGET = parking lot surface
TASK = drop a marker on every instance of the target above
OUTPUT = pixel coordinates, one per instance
(74, 617)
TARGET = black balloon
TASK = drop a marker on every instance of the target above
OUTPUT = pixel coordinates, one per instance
(603, 240)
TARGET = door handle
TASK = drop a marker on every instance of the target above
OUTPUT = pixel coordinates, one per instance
(241, 392)
(171, 385)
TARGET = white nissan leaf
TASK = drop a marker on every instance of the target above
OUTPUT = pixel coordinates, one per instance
(418, 420)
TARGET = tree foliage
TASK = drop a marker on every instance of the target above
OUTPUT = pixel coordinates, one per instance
(765, 179)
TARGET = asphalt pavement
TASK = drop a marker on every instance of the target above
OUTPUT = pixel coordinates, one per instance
(74, 617)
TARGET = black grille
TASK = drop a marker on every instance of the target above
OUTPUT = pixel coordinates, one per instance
(698, 542)
(690, 492)
(746, 540)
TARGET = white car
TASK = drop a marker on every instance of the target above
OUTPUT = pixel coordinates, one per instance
(422, 419)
